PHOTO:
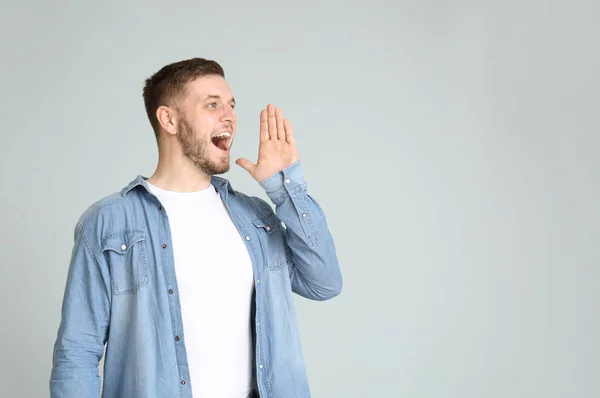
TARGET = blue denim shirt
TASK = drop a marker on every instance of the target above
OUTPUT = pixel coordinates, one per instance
(121, 291)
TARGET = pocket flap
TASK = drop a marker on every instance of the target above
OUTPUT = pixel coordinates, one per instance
(122, 241)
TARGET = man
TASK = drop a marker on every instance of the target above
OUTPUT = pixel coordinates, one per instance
(187, 281)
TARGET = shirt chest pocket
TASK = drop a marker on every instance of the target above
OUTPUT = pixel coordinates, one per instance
(276, 252)
(125, 254)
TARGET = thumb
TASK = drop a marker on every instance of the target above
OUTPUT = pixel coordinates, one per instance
(246, 165)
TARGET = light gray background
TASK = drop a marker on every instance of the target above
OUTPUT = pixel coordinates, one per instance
(452, 144)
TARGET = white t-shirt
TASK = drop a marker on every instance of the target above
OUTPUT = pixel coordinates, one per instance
(215, 280)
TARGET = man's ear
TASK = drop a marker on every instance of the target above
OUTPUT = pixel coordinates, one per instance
(167, 119)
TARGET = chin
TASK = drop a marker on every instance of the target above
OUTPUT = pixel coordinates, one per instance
(221, 167)
(221, 170)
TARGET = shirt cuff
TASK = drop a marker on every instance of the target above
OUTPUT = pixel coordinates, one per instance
(284, 183)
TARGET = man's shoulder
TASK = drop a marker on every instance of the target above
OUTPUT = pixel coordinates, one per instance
(258, 206)
(111, 205)
(106, 204)
(249, 203)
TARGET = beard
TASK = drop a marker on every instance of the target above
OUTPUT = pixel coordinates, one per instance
(198, 151)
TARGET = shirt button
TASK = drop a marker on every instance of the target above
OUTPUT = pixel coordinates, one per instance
(123, 247)
(268, 229)
(159, 207)
(303, 214)
(170, 291)
(164, 246)
(260, 366)
(247, 237)
(258, 281)
(176, 338)
(257, 323)
(182, 382)
(287, 181)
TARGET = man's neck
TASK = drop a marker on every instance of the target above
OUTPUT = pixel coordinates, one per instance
(179, 176)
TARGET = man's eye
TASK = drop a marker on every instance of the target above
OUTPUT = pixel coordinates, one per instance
(212, 105)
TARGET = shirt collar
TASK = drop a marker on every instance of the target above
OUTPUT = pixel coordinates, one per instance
(220, 184)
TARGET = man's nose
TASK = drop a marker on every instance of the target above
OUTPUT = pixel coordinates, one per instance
(229, 114)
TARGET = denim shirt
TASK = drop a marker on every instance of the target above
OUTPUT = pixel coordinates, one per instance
(121, 291)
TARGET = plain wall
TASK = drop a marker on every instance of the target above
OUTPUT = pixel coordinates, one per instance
(452, 144)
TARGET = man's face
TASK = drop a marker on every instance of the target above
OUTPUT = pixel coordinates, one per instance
(207, 124)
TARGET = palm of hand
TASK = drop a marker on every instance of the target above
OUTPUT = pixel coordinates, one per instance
(277, 148)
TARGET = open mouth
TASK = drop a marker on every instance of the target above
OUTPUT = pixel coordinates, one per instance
(221, 140)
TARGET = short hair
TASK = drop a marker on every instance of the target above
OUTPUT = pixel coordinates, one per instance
(168, 86)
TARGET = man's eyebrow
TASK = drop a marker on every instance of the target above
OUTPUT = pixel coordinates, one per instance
(217, 97)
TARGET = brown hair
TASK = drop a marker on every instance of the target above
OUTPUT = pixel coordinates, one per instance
(168, 85)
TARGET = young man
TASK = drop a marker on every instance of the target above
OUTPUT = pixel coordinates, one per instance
(187, 281)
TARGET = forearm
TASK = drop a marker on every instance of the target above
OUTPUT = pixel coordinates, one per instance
(315, 272)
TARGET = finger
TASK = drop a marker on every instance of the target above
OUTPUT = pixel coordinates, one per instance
(280, 127)
(246, 165)
(272, 122)
(289, 133)
(264, 127)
